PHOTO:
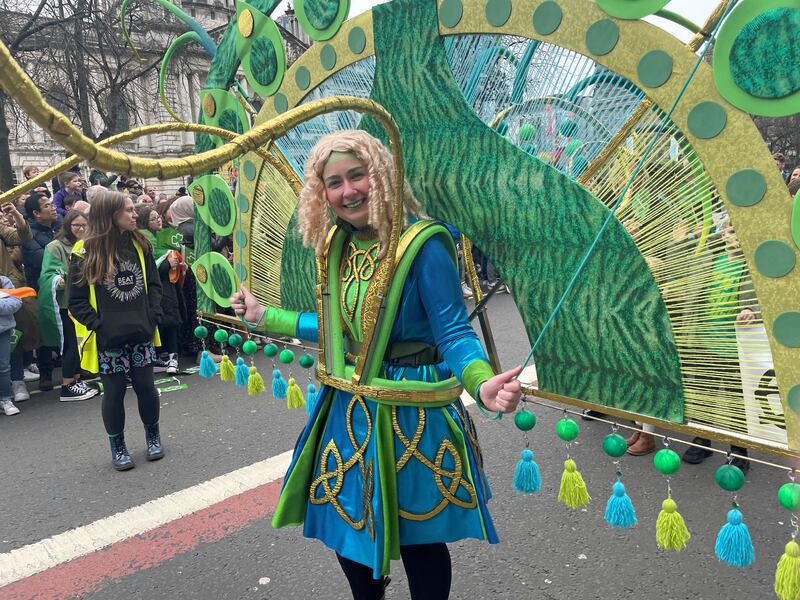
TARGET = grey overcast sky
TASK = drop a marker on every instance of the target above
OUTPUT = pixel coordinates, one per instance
(694, 10)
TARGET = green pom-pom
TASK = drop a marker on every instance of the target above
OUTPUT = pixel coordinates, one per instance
(306, 361)
(201, 332)
(573, 490)
(667, 461)
(671, 531)
(525, 420)
(787, 575)
(270, 350)
(526, 132)
(729, 477)
(568, 128)
(221, 335)
(249, 347)
(614, 445)
(567, 429)
(235, 340)
(789, 496)
(286, 356)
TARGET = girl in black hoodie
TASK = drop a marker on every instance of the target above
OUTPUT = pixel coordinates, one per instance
(116, 294)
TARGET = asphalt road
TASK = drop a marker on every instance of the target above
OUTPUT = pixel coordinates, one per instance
(56, 475)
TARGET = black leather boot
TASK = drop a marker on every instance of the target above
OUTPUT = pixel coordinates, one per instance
(119, 453)
(154, 448)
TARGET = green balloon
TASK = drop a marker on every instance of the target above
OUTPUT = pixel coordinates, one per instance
(221, 335)
(567, 429)
(614, 445)
(286, 356)
(729, 477)
(667, 461)
(525, 420)
(306, 361)
(270, 350)
(249, 347)
(235, 340)
(789, 496)
(201, 332)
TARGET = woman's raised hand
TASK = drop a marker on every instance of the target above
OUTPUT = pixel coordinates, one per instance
(502, 392)
(245, 304)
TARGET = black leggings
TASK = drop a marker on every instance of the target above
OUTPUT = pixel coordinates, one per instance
(70, 361)
(114, 396)
(427, 567)
(169, 338)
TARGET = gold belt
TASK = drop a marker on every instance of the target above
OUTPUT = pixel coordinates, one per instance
(392, 396)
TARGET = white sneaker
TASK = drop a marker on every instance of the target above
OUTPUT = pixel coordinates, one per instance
(466, 291)
(159, 366)
(8, 407)
(172, 366)
(31, 374)
(20, 391)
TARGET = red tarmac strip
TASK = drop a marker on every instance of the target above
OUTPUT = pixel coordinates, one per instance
(148, 550)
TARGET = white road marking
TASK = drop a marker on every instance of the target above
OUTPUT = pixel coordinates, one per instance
(50, 552)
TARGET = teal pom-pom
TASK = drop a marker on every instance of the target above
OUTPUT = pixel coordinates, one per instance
(527, 479)
(734, 546)
(208, 368)
(279, 385)
(311, 398)
(242, 372)
(619, 508)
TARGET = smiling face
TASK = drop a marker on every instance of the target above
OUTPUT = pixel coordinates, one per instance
(125, 219)
(346, 184)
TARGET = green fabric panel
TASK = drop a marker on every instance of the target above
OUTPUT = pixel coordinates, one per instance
(225, 62)
(387, 469)
(461, 447)
(298, 271)
(321, 13)
(263, 61)
(612, 342)
(474, 374)
(279, 321)
(47, 299)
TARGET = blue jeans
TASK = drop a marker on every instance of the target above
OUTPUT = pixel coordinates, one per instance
(5, 364)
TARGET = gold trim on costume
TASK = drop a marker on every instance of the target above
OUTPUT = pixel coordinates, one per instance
(358, 268)
(388, 395)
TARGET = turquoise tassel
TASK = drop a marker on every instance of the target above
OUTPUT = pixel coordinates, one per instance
(734, 546)
(527, 479)
(619, 509)
(279, 385)
(242, 372)
(208, 368)
(311, 398)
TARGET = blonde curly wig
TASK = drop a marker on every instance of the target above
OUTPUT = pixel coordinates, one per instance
(313, 215)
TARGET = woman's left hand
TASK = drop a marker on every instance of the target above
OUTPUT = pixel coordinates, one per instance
(502, 392)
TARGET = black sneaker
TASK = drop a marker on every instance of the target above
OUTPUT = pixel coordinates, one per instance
(695, 455)
(159, 366)
(77, 390)
(588, 413)
(742, 463)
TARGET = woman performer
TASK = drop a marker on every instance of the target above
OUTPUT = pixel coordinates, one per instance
(419, 483)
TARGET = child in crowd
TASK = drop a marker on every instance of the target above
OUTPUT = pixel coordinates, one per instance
(9, 304)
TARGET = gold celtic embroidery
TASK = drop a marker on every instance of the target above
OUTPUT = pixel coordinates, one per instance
(358, 268)
(436, 466)
(330, 494)
(472, 436)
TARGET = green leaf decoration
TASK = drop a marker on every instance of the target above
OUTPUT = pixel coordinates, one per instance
(321, 19)
(221, 108)
(215, 203)
(260, 48)
(215, 276)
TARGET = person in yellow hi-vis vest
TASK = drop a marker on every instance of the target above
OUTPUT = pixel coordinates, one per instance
(116, 298)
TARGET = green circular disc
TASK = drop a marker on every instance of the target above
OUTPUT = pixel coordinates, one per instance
(789, 496)
(567, 429)
(327, 57)
(614, 445)
(667, 461)
(601, 37)
(774, 258)
(755, 52)
(729, 477)
(321, 19)
(235, 340)
(498, 12)
(241, 271)
(263, 61)
(270, 350)
(243, 202)
(306, 361)
(525, 420)
(793, 399)
(547, 17)
(450, 13)
(201, 332)
(654, 68)
(631, 9)
(786, 329)
(221, 335)
(302, 78)
(249, 347)
(249, 170)
(746, 187)
(707, 119)
(356, 40)
(280, 103)
(286, 356)
(241, 239)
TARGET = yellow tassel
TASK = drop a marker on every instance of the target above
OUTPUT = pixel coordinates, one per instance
(787, 576)
(573, 490)
(671, 531)
(255, 383)
(227, 372)
(294, 397)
